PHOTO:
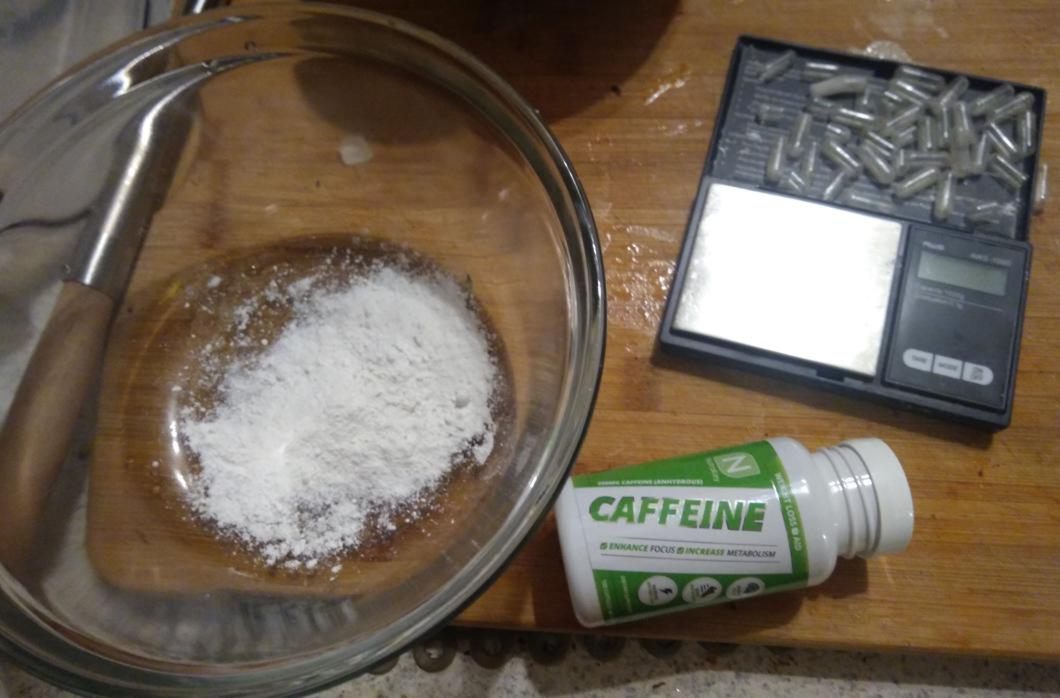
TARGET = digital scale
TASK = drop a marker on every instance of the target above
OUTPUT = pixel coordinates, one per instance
(890, 306)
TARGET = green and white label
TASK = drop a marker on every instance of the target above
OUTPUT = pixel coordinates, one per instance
(693, 530)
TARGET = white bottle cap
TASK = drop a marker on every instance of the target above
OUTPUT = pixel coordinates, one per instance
(894, 500)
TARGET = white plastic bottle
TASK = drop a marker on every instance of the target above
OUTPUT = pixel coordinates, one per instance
(726, 525)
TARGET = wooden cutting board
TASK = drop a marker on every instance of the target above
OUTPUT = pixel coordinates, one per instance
(631, 90)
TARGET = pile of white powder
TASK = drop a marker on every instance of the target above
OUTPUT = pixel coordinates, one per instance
(362, 405)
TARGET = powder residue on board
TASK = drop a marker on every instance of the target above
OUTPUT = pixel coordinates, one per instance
(674, 79)
(638, 276)
(351, 416)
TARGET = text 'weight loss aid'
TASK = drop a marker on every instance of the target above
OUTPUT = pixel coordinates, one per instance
(726, 525)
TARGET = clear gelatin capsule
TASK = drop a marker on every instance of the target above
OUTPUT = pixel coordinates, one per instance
(880, 142)
(906, 136)
(916, 182)
(867, 202)
(768, 114)
(932, 82)
(994, 98)
(910, 92)
(985, 212)
(838, 133)
(793, 181)
(960, 160)
(1003, 143)
(775, 163)
(841, 157)
(900, 162)
(926, 133)
(943, 197)
(839, 85)
(877, 167)
(800, 134)
(903, 119)
(1025, 127)
(852, 117)
(950, 94)
(980, 154)
(929, 158)
(1012, 108)
(821, 107)
(1007, 173)
(945, 123)
(1041, 189)
(963, 133)
(865, 100)
(838, 184)
(813, 71)
(778, 66)
(808, 165)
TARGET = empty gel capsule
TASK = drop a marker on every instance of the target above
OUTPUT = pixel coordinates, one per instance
(861, 201)
(944, 122)
(925, 133)
(793, 181)
(944, 197)
(900, 162)
(776, 160)
(800, 134)
(1003, 144)
(839, 85)
(865, 100)
(837, 133)
(910, 92)
(819, 70)
(963, 134)
(995, 97)
(1041, 188)
(930, 158)
(1007, 173)
(904, 118)
(980, 154)
(906, 136)
(891, 100)
(877, 166)
(960, 160)
(769, 114)
(918, 76)
(1025, 133)
(880, 142)
(986, 212)
(1012, 108)
(853, 118)
(841, 157)
(820, 107)
(778, 66)
(954, 91)
(838, 183)
(916, 182)
(808, 166)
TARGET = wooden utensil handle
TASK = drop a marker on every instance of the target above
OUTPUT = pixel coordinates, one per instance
(40, 424)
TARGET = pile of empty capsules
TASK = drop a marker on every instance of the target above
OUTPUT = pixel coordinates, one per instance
(914, 133)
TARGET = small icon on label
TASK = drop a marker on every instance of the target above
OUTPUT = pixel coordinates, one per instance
(701, 590)
(976, 373)
(745, 587)
(737, 465)
(657, 590)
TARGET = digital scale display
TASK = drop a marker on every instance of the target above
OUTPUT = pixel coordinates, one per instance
(973, 276)
(870, 293)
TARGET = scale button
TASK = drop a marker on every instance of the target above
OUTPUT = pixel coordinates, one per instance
(945, 366)
(917, 359)
(974, 373)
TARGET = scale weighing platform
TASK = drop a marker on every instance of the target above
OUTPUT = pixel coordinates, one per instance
(887, 304)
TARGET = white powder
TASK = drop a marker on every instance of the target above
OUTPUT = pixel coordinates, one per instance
(360, 406)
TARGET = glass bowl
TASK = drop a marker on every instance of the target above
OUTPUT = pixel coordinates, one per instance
(278, 133)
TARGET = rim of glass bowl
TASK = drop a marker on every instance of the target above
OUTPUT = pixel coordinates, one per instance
(36, 641)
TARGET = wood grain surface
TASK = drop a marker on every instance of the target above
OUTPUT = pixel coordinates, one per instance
(631, 90)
